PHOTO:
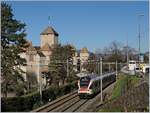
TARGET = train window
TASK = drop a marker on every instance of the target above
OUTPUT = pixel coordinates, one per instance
(84, 81)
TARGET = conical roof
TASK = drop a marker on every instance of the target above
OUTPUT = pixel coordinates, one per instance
(49, 30)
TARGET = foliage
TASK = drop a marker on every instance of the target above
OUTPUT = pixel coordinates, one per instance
(93, 65)
(124, 83)
(58, 64)
(31, 101)
(90, 66)
(19, 89)
(117, 52)
(71, 78)
(12, 44)
(146, 58)
(31, 82)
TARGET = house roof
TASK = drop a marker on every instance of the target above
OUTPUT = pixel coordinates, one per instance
(49, 30)
(46, 47)
(37, 48)
(40, 54)
(31, 48)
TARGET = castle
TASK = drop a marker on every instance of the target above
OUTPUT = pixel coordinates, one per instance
(38, 57)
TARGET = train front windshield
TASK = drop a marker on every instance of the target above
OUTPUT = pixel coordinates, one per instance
(84, 81)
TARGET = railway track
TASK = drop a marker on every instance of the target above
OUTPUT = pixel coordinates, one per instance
(52, 105)
(67, 103)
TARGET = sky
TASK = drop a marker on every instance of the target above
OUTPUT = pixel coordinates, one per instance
(86, 24)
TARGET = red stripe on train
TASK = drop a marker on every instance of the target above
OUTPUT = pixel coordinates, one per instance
(83, 89)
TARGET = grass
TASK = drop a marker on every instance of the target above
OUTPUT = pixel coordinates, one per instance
(124, 81)
(134, 80)
(111, 110)
(120, 83)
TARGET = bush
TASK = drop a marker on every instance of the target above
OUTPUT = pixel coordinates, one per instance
(32, 100)
(23, 103)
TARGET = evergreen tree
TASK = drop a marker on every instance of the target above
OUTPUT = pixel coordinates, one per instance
(13, 44)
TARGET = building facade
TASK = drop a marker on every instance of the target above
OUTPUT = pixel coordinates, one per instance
(81, 57)
(38, 57)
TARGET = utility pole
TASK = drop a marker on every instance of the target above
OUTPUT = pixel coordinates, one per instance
(139, 25)
(49, 20)
(101, 79)
(40, 81)
(98, 68)
(67, 67)
(127, 53)
(109, 67)
(80, 66)
(116, 71)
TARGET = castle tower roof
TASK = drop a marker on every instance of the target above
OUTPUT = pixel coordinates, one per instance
(49, 30)
(84, 50)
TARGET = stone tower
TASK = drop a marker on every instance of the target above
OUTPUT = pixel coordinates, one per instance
(84, 54)
(49, 36)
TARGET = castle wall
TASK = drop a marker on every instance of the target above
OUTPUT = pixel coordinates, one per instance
(51, 39)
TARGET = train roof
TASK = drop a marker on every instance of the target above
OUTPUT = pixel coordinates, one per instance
(104, 75)
(94, 77)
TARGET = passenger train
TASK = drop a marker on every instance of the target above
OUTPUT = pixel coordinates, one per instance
(89, 85)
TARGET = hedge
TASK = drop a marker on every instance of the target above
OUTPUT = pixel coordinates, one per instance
(31, 101)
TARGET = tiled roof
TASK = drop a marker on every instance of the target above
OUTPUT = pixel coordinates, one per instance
(46, 47)
(49, 30)
(37, 47)
(40, 54)
(31, 48)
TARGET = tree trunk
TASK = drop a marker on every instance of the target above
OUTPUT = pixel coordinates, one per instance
(63, 81)
(5, 92)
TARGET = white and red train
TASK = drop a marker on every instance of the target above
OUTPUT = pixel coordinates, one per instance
(90, 84)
